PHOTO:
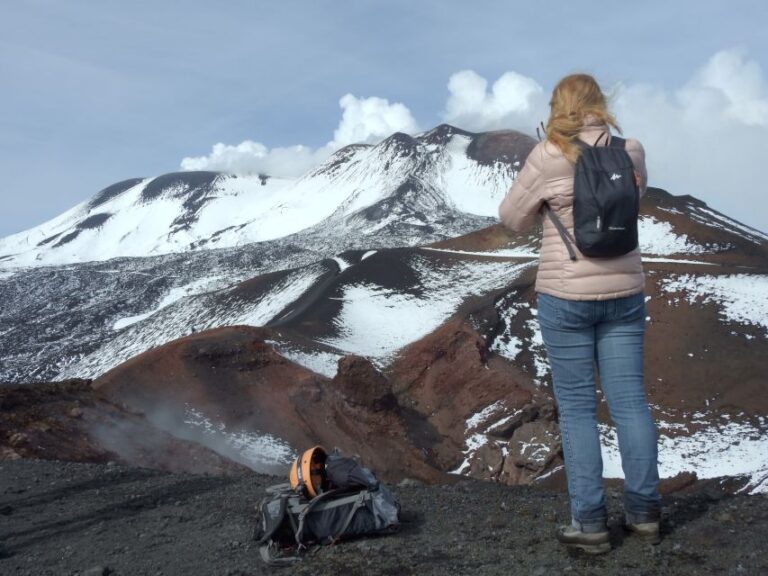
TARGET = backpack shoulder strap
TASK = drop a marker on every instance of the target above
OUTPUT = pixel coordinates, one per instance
(563, 231)
(276, 520)
(267, 546)
(359, 501)
(322, 497)
(606, 134)
(270, 556)
(580, 143)
(617, 142)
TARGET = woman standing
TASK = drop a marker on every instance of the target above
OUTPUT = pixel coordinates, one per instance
(592, 313)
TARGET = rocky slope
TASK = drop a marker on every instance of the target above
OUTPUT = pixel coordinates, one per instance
(449, 332)
(229, 390)
(425, 358)
(69, 421)
(69, 286)
(60, 518)
(452, 330)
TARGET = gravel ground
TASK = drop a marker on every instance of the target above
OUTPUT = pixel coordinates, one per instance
(66, 519)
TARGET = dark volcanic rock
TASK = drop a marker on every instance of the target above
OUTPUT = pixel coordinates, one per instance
(94, 221)
(69, 518)
(442, 134)
(504, 146)
(179, 184)
(113, 191)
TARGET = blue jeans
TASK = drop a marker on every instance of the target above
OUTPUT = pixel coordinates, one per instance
(609, 333)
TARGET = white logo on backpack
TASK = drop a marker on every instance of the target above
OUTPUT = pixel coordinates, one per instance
(615, 176)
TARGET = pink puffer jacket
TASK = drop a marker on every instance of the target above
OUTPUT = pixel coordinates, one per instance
(548, 177)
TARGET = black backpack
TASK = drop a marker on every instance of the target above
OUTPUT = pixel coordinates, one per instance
(356, 504)
(606, 202)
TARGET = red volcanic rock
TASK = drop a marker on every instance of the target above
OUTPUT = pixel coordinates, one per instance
(534, 445)
(487, 462)
(485, 239)
(236, 379)
(677, 483)
(527, 413)
(693, 359)
(227, 372)
(447, 377)
(359, 382)
(67, 421)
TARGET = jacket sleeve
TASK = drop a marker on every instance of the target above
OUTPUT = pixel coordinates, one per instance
(637, 154)
(520, 208)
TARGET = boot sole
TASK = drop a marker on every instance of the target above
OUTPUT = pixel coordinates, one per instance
(647, 538)
(593, 549)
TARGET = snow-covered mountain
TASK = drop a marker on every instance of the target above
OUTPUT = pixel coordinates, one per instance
(416, 186)
(191, 233)
(388, 252)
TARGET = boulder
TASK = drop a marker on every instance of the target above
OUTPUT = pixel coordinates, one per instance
(534, 445)
(360, 383)
(487, 462)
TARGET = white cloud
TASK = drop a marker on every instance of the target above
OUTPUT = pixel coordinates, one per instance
(251, 157)
(705, 138)
(734, 81)
(708, 137)
(514, 101)
(371, 120)
(365, 120)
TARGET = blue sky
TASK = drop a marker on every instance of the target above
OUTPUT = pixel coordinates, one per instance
(99, 91)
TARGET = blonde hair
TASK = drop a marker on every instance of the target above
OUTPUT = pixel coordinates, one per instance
(575, 98)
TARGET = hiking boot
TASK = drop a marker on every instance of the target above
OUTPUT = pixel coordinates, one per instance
(646, 531)
(589, 542)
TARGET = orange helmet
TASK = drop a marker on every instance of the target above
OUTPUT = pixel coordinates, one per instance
(308, 472)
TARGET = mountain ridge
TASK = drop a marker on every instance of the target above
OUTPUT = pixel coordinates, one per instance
(437, 301)
(182, 211)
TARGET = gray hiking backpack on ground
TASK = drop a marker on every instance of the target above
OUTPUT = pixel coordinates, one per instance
(606, 202)
(356, 505)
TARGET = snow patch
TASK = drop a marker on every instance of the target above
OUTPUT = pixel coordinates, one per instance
(275, 301)
(198, 312)
(549, 473)
(174, 295)
(401, 317)
(343, 264)
(715, 451)
(130, 320)
(476, 419)
(537, 349)
(742, 298)
(477, 440)
(677, 261)
(472, 187)
(321, 362)
(501, 253)
(659, 238)
(474, 443)
(264, 453)
(729, 225)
